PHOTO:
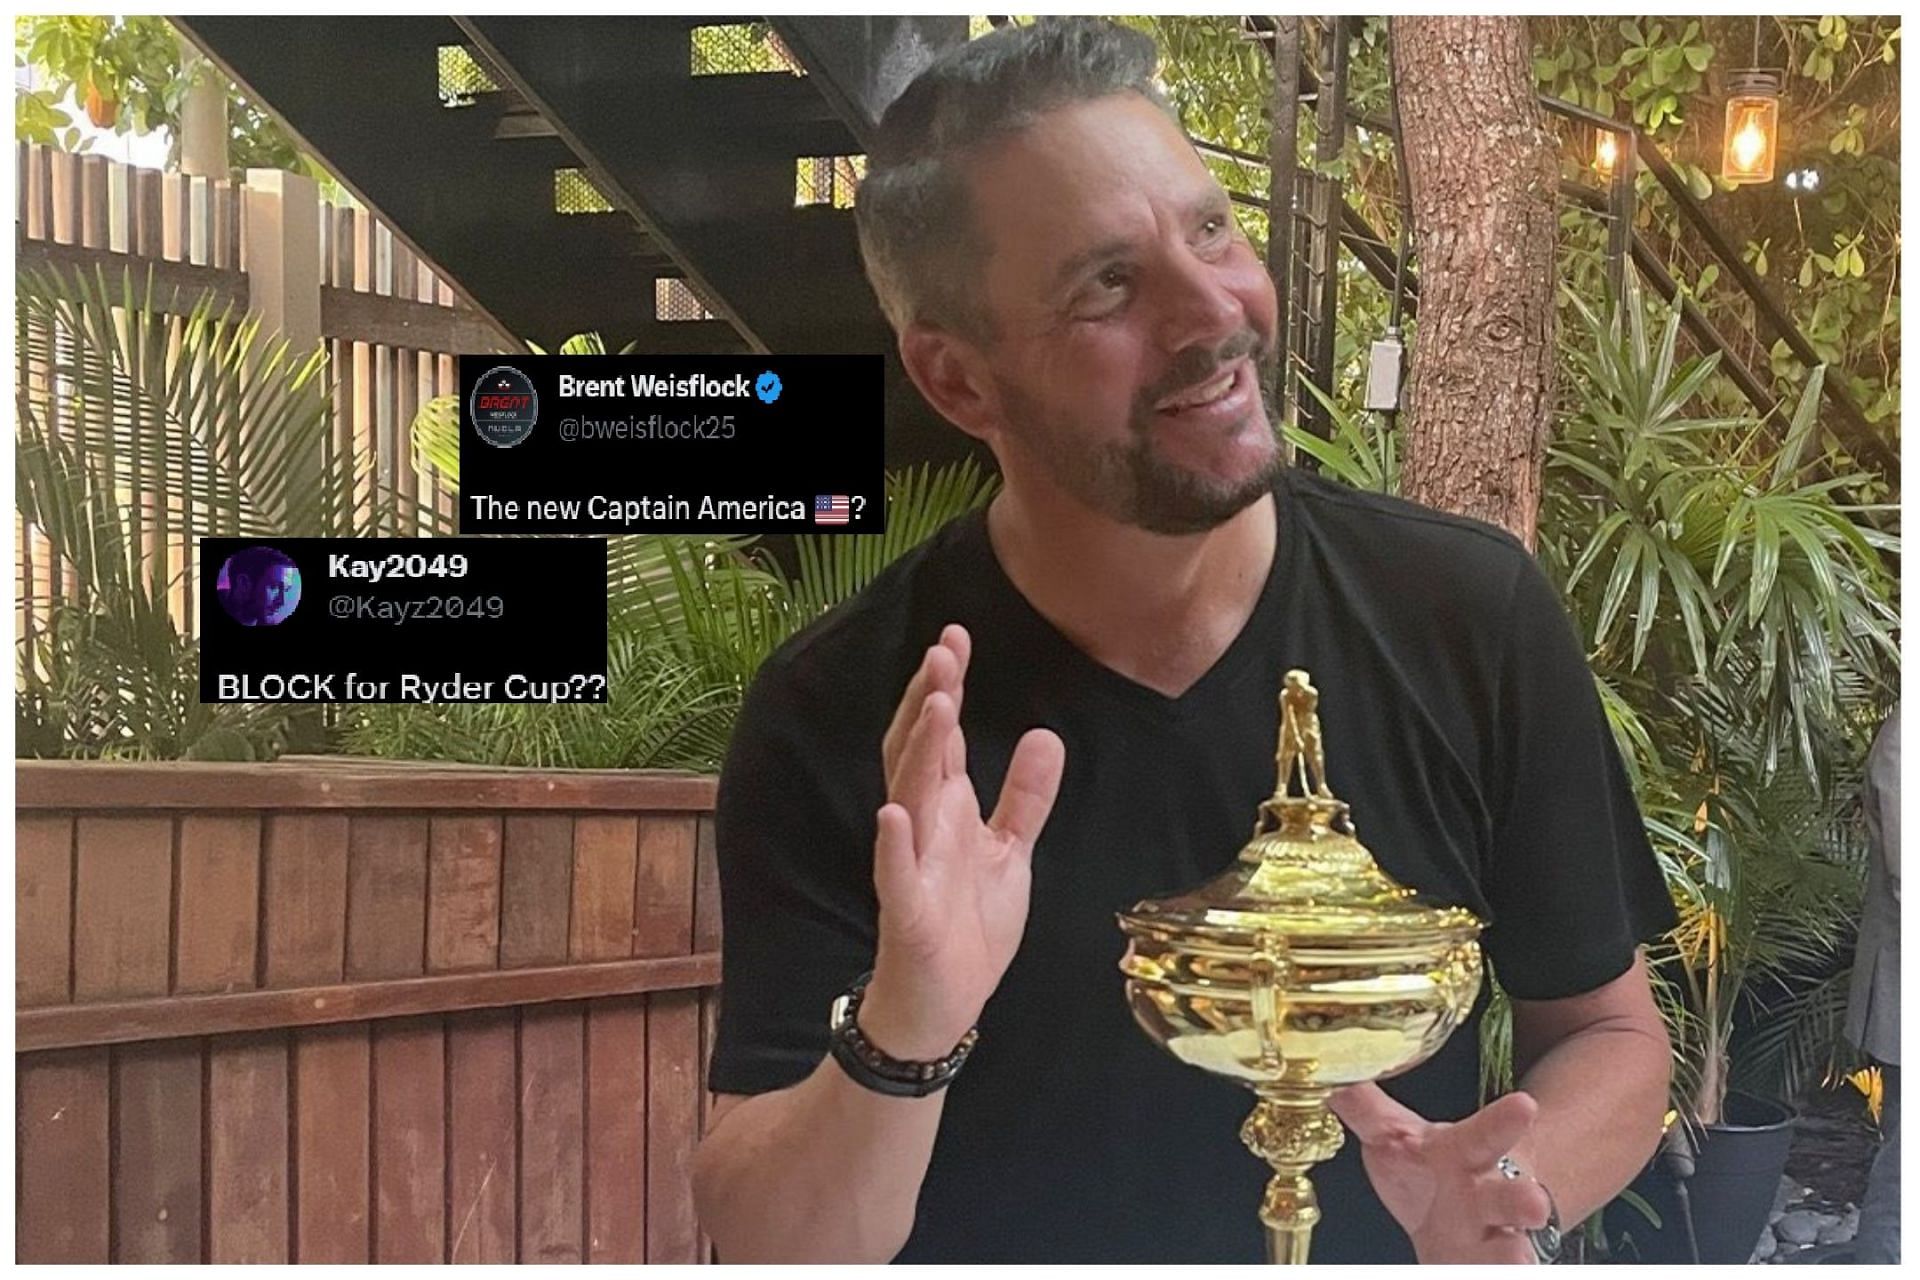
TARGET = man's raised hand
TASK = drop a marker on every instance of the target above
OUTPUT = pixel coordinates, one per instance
(952, 887)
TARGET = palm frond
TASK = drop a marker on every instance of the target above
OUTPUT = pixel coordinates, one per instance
(834, 568)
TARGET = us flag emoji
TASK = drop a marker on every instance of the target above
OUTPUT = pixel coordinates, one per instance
(834, 508)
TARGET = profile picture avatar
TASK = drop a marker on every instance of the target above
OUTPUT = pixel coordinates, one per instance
(504, 406)
(259, 587)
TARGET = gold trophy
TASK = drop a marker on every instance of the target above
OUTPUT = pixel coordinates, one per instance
(1301, 968)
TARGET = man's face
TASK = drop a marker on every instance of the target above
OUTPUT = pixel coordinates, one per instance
(263, 596)
(1136, 325)
(273, 590)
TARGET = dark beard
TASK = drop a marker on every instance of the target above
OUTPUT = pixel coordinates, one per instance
(1126, 482)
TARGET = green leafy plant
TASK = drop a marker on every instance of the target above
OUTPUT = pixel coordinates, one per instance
(1362, 451)
(1742, 614)
(1712, 548)
(1772, 895)
(229, 429)
(128, 73)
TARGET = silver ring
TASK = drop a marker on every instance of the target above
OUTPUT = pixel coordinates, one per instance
(1545, 1241)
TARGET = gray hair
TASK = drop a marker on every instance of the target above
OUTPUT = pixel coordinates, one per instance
(923, 252)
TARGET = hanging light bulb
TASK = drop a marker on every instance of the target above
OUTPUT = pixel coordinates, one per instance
(1606, 152)
(1753, 127)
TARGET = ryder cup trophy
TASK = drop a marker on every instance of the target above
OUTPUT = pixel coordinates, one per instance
(1301, 968)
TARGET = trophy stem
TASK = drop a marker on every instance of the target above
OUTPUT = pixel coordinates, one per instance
(1288, 1245)
(1292, 1130)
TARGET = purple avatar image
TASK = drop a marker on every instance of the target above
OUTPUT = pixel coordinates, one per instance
(259, 587)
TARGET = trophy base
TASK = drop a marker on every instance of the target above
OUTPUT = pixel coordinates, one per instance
(1292, 1130)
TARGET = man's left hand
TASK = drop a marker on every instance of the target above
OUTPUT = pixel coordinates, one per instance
(1441, 1181)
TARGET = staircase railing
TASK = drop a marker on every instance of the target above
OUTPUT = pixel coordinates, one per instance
(1845, 421)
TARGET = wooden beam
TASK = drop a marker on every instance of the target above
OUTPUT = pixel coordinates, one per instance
(347, 783)
(171, 1017)
(175, 286)
(351, 316)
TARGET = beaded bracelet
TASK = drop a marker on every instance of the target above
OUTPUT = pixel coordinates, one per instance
(875, 1070)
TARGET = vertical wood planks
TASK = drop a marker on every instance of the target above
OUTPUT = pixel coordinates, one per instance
(43, 908)
(305, 899)
(245, 1141)
(545, 1133)
(482, 1164)
(706, 938)
(447, 381)
(536, 889)
(617, 1122)
(62, 1119)
(406, 391)
(536, 916)
(145, 214)
(331, 1070)
(605, 862)
(123, 886)
(552, 1130)
(379, 458)
(663, 901)
(386, 938)
(305, 904)
(604, 850)
(157, 1204)
(386, 895)
(409, 1151)
(673, 1123)
(218, 916)
(339, 272)
(247, 1148)
(669, 845)
(706, 888)
(123, 910)
(364, 377)
(463, 893)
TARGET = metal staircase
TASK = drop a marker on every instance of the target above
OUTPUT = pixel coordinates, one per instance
(589, 176)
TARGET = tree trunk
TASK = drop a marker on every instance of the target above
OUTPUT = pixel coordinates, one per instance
(1482, 178)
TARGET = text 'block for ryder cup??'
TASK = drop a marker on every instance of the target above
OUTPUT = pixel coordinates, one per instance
(672, 444)
(404, 620)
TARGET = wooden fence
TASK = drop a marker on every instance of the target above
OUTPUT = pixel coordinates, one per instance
(345, 1011)
(319, 272)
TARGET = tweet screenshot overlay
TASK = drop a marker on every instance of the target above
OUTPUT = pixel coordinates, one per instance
(426, 620)
(671, 444)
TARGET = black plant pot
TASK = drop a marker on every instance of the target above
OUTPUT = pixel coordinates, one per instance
(1736, 1172)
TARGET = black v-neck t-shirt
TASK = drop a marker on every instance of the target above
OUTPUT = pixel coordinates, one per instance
(1460, 721)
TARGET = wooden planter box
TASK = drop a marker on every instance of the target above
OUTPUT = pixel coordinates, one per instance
(347, 1011)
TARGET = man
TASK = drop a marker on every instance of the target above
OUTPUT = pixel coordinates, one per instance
(262, 587)
(1095, 663)
(1873, 1004)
